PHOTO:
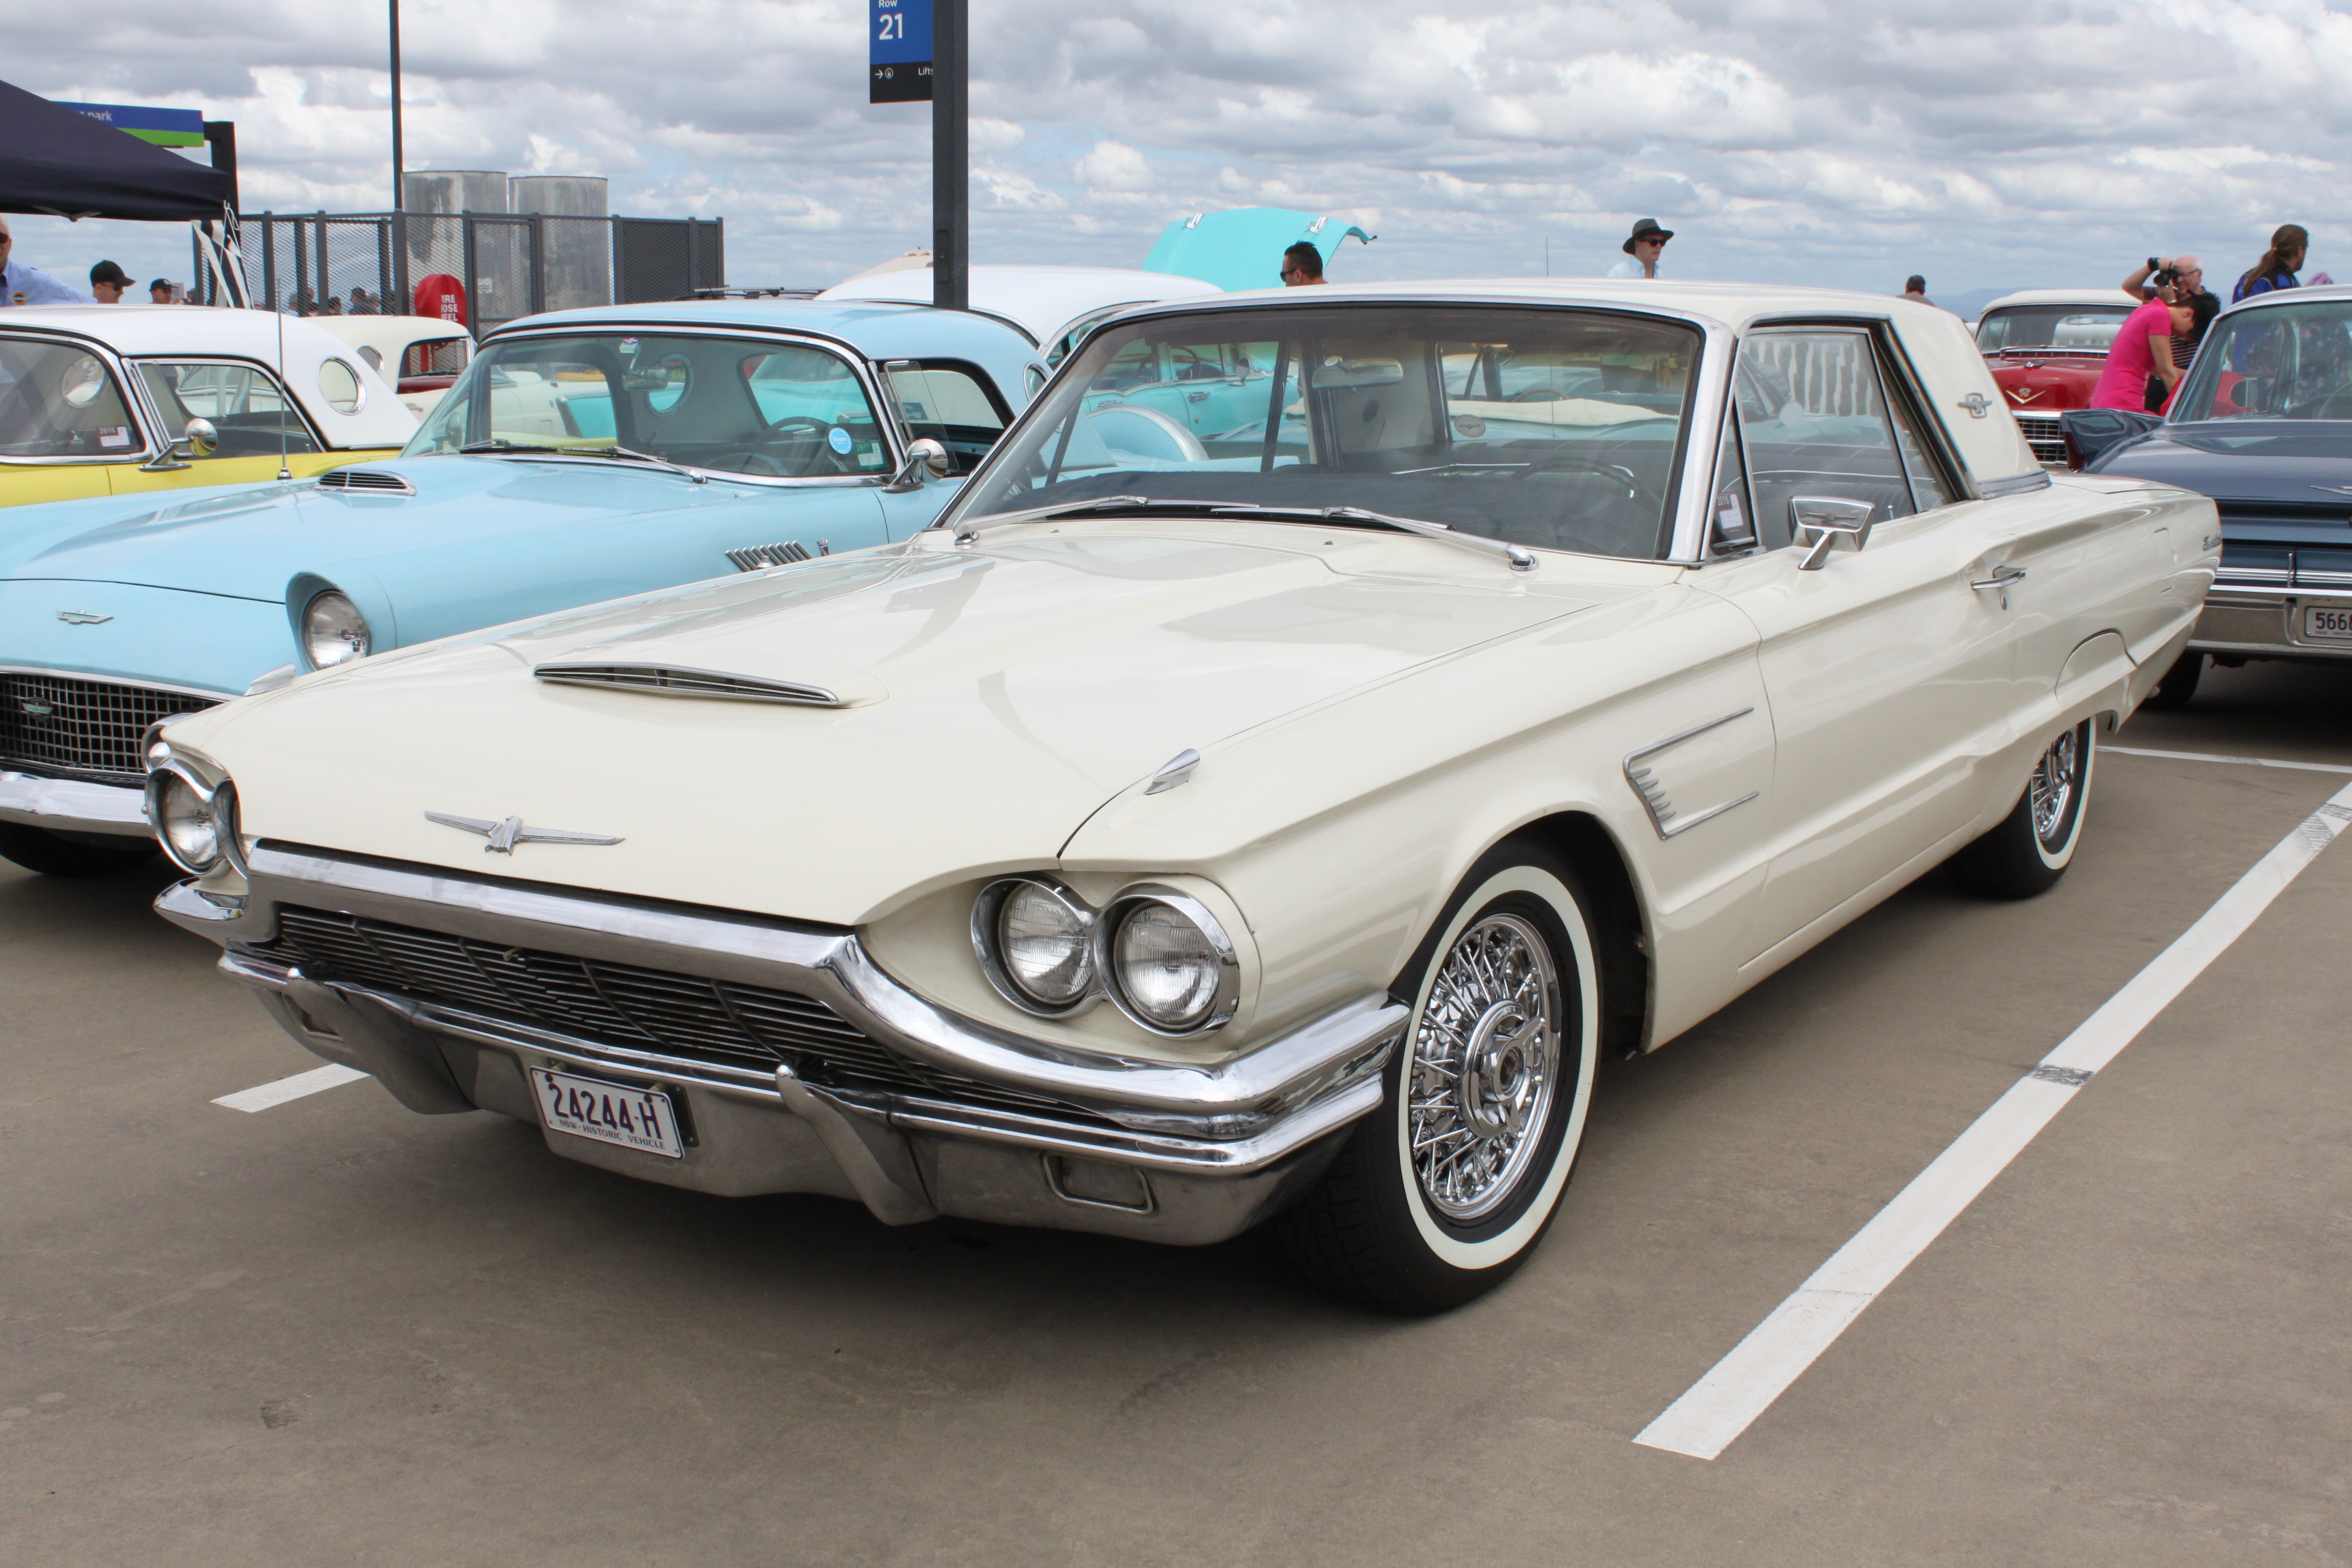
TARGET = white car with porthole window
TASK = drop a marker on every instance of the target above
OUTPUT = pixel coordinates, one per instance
(1262, 806)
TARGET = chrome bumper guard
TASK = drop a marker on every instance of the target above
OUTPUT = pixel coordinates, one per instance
(73, 806)
(1182, 1153)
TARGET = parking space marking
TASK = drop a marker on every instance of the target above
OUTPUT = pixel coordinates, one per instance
(264, 1096)
(2242, 761)
(1713, 1412)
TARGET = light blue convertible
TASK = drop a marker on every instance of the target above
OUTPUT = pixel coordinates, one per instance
(584, 456)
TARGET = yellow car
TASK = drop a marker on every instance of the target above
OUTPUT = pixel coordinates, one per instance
(99, 400)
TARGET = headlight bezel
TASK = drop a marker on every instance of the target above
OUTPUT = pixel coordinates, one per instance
(208, 788)
(360, 646)
(1103, 927)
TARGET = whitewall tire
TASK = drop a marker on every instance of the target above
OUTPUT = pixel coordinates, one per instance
(1438, 1197)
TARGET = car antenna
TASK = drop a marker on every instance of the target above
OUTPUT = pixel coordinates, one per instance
(285, 397)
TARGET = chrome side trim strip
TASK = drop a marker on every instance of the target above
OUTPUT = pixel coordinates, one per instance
(1653, 792)
(1237, 1097)
(2015, 484)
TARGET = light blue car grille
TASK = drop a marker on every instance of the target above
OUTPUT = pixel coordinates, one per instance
(89, 729)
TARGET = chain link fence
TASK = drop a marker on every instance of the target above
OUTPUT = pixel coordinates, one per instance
(482, 268)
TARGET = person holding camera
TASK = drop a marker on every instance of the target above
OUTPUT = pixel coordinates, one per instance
(2140, 372)
(2184, 278)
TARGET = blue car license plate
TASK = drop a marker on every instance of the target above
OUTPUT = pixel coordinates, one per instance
(633, 1118)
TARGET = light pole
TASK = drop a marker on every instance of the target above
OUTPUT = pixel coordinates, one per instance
(397, 284)
(399, 176)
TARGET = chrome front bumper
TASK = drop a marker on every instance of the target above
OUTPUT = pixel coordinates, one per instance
(2239, 623)
(1175, 1152)
(73, 806)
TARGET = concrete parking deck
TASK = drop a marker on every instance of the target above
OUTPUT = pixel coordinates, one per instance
(329, 1330)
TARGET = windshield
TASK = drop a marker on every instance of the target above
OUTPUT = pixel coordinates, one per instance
(59, 401)
(2090, 328)
(738, 405)
(1554, 428)
(2290, 362)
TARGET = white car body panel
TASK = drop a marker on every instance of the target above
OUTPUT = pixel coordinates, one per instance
(1373, 712)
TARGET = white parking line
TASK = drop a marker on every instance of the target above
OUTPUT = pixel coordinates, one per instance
(2242, 761)
(1714, 1411)
(264, 1096)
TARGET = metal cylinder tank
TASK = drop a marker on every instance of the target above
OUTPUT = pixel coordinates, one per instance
(576, 235)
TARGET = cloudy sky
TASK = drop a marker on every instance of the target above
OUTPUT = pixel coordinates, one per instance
(1996, 144)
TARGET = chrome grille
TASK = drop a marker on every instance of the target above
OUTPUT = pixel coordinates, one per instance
(743, 1030)
(86, 728)
(2042, 433)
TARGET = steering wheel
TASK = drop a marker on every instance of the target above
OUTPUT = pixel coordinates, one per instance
(799, 428)
(774, 468)
(1594, 465)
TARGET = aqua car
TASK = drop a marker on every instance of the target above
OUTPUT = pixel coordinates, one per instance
(584, 456)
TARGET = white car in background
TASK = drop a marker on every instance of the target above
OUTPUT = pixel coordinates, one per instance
(1054, 305)
(1275, 821)
(421, 356)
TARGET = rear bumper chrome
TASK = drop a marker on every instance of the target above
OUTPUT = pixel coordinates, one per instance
(2238, 622)
(73, 806)
(1169, 1151)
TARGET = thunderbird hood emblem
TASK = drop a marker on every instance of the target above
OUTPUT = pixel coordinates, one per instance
(82, 618)
(504, 836)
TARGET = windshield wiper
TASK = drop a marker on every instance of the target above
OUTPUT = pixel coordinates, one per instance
(500, 443)
(648, 457)
(1521, 560)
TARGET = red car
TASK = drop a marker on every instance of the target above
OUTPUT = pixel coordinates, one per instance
(2045, 347)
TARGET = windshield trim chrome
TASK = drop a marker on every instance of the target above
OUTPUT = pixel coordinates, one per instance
(1690, 470)
(867, 372)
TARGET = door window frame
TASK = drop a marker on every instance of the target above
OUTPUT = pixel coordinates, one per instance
(1898, 386)
(154, 416)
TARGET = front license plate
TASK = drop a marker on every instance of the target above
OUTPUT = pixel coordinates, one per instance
(2326, 621)
(635, 1119)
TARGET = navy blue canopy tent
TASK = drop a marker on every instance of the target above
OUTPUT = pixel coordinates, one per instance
(62, 162)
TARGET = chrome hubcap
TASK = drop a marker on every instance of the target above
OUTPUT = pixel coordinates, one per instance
(1485, 1065)
(2055, 778)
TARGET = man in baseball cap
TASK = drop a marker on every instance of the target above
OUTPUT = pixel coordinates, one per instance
(108, 282)
(161, 292)
(1643, 249)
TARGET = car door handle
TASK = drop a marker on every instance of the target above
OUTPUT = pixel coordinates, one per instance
(1196, 397)
(2003, 578)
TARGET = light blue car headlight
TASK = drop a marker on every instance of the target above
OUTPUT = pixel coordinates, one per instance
(333, 631)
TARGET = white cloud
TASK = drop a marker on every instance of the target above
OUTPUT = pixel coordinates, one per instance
(1830, 141)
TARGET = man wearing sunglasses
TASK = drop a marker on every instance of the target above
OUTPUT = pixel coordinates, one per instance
(1302, 265)
(1642, 247)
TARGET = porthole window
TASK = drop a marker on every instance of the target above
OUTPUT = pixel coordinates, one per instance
(674, 374)
(339, 384)
(84, 380)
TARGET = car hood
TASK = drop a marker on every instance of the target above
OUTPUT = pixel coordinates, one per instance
(245, 540)
(2288, 461)
(991, 700)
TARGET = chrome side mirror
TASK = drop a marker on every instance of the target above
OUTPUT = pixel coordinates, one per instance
(926, 459)
(200, 440)
(1829, 519)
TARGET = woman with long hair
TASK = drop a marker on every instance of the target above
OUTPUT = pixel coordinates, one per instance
(2279, 265)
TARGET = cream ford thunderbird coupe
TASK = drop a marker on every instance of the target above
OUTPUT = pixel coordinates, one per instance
(1326, 724)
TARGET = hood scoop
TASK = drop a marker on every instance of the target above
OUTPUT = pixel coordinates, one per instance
(674, 680)
(371, 481)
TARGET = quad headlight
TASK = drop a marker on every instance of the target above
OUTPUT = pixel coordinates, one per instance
(1156, 952)
(333, 631)
(194, 821)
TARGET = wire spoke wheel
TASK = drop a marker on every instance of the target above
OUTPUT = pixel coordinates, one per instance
(1485, 1068)
(2052, 789)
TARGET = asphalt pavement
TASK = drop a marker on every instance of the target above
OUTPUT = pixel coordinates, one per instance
(332, 1331)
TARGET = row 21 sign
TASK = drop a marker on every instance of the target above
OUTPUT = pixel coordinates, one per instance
(899, 40)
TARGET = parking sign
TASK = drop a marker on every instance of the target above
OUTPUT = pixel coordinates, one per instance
(898, 41)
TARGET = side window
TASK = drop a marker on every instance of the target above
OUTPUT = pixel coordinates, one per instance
(57, 401)
(1731, 517)
(954, 403)
(245, 406)
(1929, 489)
(1815, 421)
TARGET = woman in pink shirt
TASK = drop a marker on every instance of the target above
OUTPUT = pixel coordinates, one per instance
(2143, 347)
